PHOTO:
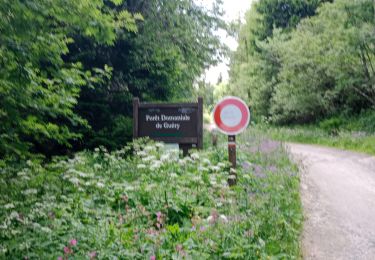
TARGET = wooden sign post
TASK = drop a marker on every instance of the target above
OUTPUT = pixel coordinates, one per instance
(232, 158)
(231, 116)
(180, 123)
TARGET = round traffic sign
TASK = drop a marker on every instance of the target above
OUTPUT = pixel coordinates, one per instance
(231, 115)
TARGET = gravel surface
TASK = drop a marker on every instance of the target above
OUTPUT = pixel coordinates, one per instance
(338, 196)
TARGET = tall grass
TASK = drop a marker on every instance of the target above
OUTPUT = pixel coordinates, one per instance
(342, 139)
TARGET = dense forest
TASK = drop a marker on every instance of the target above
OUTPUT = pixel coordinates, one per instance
(304, 61)
(69, 69)
(74, 185)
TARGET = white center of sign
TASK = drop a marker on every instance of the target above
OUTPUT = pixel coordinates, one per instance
(231, 115)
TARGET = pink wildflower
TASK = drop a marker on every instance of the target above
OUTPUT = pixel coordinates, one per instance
(60, 258)
(67, 250)
(73, 242)
(249, 233)
(125, 198)
(92, 255)
(159, 219)
(180, 250)
(152, 257)
(158, 216)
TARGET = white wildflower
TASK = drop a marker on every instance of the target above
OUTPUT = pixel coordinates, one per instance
(14, 215)
(151, 187)
(71, 171)
(181, 162)
(30, 192)
(173, 175)
(206, 161)
(232, 177)
(203, 169)
(149, 158)
(74, 180)
(196, 178)
(221, 165)
(4, 226)
(3, 249)
(46, 229)
(15, 232)
(29, 163)
(159, 145)
(213, 183)
(36, 225)
(9, 206)
(149, 148)
(129, 188)
(155, 165)
(82, 174)
(188, 160)
(213, 179)
(24, 246)
(165, 157)
(25, 178)
(21, 174)
(223, 218)
(38, 205)
(141, 153)
(194, 156)
(97, 149)
(100, 185)
(141, 166)
(215, 168)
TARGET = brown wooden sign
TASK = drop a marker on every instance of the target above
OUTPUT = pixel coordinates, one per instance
(180, 123)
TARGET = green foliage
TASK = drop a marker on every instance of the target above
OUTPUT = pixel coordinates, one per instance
(350, 132)
(153, 203)
(174, 43)
(365, 121)
(38, 89)
(285, 14)
(331, 125)
(303, 65)
(69, 70)
(330, 73)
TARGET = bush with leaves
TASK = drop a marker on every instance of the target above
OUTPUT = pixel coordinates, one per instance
(38, 89)
(152, 205)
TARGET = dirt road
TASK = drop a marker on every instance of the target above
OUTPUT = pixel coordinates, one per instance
(338, 196)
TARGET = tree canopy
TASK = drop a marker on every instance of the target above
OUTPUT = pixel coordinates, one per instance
(69, 69)
(314, 63)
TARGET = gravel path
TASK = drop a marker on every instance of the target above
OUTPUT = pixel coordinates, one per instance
(338, 196)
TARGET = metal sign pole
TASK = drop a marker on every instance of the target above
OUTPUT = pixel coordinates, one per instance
(231, 115)
(232, 159)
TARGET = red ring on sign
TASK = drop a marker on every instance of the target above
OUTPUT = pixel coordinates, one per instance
(244, 118)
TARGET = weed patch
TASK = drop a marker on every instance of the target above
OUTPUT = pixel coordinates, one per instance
(153, 205)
